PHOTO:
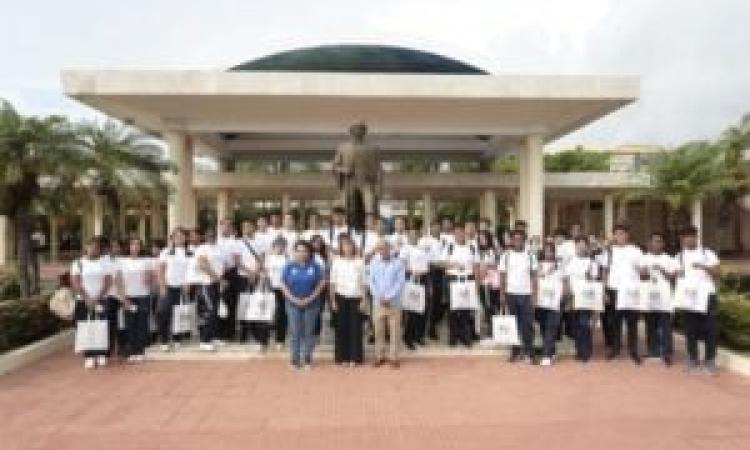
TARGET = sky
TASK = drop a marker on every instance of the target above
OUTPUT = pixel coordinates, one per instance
(691, 55)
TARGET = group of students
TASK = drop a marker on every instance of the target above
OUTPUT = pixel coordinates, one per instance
(360, 277)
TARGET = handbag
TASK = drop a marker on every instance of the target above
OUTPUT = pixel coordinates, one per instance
(691, 295)
(463, 295)
(657, 296)
(260, 305)
(63, 303)
(505, 330)
(549, 293)
(92, 334)
(184, 317)
(413, 297)
(588, 295)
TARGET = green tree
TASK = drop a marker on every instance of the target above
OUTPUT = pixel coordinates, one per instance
(577, 160)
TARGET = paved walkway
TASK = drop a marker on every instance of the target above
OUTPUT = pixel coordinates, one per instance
(446, 403)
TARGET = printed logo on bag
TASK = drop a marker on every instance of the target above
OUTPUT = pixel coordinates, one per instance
(588, 294)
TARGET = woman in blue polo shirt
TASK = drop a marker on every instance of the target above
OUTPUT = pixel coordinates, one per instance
(302, 283)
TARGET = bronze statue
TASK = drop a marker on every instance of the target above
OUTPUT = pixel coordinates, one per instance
(357, 168)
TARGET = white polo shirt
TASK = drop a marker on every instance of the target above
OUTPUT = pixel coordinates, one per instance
(432, 246)
(517, 267)
(464, 255)
(92, 272)
(581, 267)
(134, 272)
(230, 247)
(623, 262)
(699, 255)
(176, 265)
(273, 265)
(348, 276)
(663, 262)
(416, 258)
(216, 260)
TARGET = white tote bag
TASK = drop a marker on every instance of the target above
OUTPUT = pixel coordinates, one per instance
(629, 297)
(183, 317)
(549, 293)
(505, 330)
(92, 335)
(691, 295)
(413, 298)
(464, 295)
(260, 305)
(657, 296)
(588, 295)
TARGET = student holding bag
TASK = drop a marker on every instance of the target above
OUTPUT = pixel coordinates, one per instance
(274, 263)
(204, 279)
(173, 264)
(92, 279)
(462, 259)
(548, 313)
(347, 281)
(581, 267)
(134, 278)
(700, 265)
(417, 260)
(518, 268)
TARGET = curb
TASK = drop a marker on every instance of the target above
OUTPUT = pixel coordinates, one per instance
(31, 353)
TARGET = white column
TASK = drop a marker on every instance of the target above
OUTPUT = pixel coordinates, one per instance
(554, 220)
(609, 215)
(157, 226)
(428, 212)
(622, 211)
(286, 203)
(531, 188)
(182, 203)
(697, 217)
(5, 244)
(489, 210)
(222, 205)
(54, 239)
(142, 223)
(98, 214)
(512, 208)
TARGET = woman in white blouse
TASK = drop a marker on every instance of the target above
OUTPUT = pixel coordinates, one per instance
(173, 265)
(204, 275)
(274, 263)
(92, 280)
(347, 279)
(134, 277)
(547, 315)
(581, 267)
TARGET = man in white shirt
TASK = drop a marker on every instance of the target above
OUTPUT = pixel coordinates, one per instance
(435, 302)
(565, 251)
(399, 237)
(701, 265)
(417, 260)
(232, 250)
(518, 267)
(262, 236)
(462, 259)
(621, 264)
(446, 231)
(660, 269)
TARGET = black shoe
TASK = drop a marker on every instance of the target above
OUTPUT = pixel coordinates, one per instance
(668, 361)
(434, 335)
(371, 339)
(452, 343)
(636, 359)
(410, 345)
(612, 354)
(467, 344)
(421, 342)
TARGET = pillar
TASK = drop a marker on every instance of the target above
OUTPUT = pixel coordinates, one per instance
(622, 211)
(157, 223)
(697, 217)
(512, 208)
(531, 185)
(554, 218)
(54, 239)
(428, 212)
(5, 241)
(182, 203)
(586, 216)
(286, 203)
(142, 223)
(609, 215)
(488, 207)
(97, 215)
(222, 204)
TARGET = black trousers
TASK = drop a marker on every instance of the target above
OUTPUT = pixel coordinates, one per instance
(164, 311)
(549, 326)
(436, 299)
(227, 328)
(206, 298)
(280, 323)
(460, 322)
(118, 328)
(137, 325)
(659, 340)
(414, 323)
(490, 299)
(583, 339)
(348, 345)
(703, 326)
(259, 331)
(617, 317)
(521, 307)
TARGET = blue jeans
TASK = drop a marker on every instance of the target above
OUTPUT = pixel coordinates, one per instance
(302, 322)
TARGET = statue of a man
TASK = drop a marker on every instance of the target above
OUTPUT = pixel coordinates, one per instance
(357, 168)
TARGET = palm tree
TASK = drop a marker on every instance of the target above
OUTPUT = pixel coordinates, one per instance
(30, 148)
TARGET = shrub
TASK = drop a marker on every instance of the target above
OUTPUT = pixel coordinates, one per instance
(734, 321)
(23, 321)
(9, 286)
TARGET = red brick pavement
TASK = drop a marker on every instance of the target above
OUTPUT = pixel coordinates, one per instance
(461, 403)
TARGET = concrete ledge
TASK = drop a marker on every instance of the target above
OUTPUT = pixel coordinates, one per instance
(35, 351)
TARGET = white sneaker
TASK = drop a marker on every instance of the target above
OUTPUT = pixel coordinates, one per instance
(89, 363)
(165, 347)
(279, 347)
(308, 367)
(546, 362)
(133, 359)
(206, 347)
(101, 361)
(219, 343)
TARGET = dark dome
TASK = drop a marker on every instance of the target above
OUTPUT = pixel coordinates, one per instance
(359, 58)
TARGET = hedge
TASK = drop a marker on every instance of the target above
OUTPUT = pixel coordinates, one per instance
(734, 321)
(23, 321)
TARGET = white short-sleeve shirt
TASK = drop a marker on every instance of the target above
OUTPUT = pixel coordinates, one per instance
(517, 267)
(700, 255)
(215, 259)
(416, 258)
(274, 264)
(134, 273)
(662, 261)
(176, 265)
(623, 262)
(92, 272)
(581, 267)
(464, 255)
(348, 276)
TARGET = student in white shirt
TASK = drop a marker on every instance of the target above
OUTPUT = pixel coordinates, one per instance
(549, 319)
(435, 293)
(489, 277)
(118, 334)
(621, 262)
(581, 267)
(273, 265)
(417, 263)
(446, 231)
(204, 273)
(347, 281)
(173, 264)
(518, 267)
(289, 229)
(91, 279)
(660, 268)
(232, 250)
(701, 265)
(399, 236)
(322, 257)
(365, 242)
(314, 227)
(565, 250)
(262, 236)
(462, 259)
(134, 278)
